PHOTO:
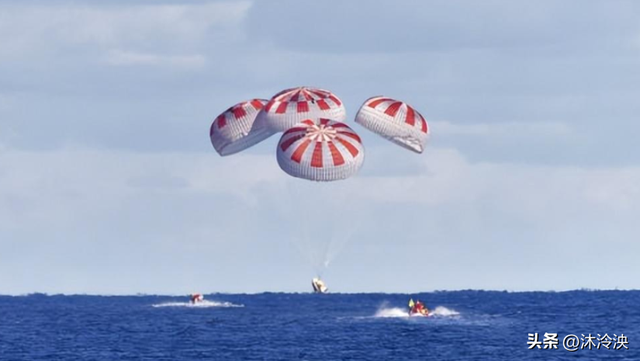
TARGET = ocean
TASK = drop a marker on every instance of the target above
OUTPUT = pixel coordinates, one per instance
(466, 325)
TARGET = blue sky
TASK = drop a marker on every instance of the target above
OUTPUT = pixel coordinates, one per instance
(108, 182)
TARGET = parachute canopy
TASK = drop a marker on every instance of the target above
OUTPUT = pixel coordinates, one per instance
(395, 121)
(236, 130)
(324, 151)
(291, 106)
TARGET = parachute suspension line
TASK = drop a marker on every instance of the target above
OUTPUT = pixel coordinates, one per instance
(337, 243)
(321, 150)
(300, 223)
(320, 217)
(290, 221)
(352, 215)
(305, 222)
(333, 226)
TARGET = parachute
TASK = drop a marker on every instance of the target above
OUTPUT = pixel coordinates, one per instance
(321, 151)
(326, 151)
(236, 130)
(394, 120)
(317, 149)
(291, 106)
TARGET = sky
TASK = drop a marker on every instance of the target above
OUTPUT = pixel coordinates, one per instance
(109, 183)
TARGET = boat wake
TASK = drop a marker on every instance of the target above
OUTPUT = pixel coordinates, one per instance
(395, 312)
(398, 312)
(202, 304)
(442, 311)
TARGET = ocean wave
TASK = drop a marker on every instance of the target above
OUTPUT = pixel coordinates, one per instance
(399, 312)
(202, 304)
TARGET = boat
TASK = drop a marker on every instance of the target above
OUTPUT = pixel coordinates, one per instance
(421, 313)
(418, 309)
(196, 298)
(319, 286)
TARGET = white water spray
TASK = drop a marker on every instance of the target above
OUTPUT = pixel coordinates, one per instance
(399, 312)
(201, 304)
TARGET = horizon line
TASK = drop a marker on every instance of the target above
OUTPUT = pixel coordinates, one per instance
(142, 294)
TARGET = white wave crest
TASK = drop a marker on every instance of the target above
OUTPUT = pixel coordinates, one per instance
(202, 304)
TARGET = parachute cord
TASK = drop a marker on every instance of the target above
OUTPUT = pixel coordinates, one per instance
(320, 219)
(354, 213)
(299, 224)
(338, 243)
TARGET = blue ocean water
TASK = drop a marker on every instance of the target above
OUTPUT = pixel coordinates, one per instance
(467, 325)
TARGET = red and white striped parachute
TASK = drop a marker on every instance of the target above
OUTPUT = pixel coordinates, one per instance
(291, 106)
(394, 120)
(236, 130)
(324, 151)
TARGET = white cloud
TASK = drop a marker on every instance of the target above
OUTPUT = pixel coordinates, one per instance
(72, 179)
(75, 181)
(4, 101)
(69, 211)
(534, 190)
(25, 30)
(502, 129)
(100, 75)
(126, 58)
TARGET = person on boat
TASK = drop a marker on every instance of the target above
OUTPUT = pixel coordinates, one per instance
(418, 307)
(196, 297)
(421, 309)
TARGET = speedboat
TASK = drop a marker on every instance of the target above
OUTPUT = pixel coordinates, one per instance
(196, 298)
(418, 309)
(419, 313)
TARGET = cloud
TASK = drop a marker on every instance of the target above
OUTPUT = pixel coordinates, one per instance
(126, 58)
(446, 178)
(109, 74)
(94, 209)
(77, 178)
(413, 26)
(104, 113)
(507, 129)
(27, 30)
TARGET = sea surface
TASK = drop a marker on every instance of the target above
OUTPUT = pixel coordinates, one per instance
(467, 325)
